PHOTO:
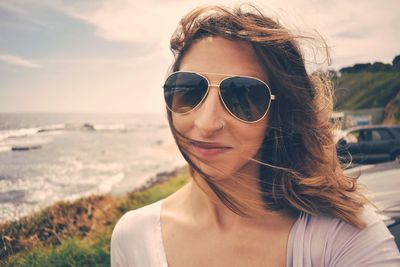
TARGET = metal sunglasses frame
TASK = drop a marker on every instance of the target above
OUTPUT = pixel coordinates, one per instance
(228, 76)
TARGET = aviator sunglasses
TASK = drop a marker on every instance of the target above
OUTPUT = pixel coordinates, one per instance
(246, 98)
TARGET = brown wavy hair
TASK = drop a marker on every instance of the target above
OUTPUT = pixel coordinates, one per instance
(299, 167)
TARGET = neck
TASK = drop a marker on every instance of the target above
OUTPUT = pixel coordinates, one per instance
(207, 209)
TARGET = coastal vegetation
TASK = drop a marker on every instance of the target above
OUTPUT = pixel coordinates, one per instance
(78, 233)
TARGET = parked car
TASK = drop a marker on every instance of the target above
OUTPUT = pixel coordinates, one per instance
(383, 184)
(370, 144)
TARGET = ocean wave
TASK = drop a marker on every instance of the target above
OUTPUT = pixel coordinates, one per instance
(25, 132)
(5, 134)
(72, 163)
(120, 127)
(109, 127)
(107, 184)
(52, 127)
(102, 167)
(5, 148)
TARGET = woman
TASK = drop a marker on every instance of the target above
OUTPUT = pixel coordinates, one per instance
(267, 188)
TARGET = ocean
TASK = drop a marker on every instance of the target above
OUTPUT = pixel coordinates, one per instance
(45, 158)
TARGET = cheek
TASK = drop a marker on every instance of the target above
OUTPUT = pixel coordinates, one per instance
(182, 123)
(251, 138)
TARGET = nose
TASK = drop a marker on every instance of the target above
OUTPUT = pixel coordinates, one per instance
(209, 117)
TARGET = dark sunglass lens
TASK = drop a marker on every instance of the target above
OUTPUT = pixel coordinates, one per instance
(247, 98)
(183, 91)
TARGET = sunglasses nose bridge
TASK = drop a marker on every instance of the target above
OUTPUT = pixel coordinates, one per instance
(216, 86)
(212, 102)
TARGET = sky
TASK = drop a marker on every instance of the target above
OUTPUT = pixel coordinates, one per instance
(112, 56)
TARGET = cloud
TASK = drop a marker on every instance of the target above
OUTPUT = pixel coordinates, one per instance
(128, 21)
(17, 60)
(151, 21)
(22, 12)
(342, 25)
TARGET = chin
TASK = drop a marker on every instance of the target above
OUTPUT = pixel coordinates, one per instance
(215, 171)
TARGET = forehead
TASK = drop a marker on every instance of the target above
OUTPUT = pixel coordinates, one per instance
(220, 55)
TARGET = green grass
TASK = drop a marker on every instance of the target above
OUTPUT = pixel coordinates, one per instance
(72, 252)
(138, 199)
(78, 233)
(366, 90)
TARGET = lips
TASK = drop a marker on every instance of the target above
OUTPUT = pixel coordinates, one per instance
(209, 149)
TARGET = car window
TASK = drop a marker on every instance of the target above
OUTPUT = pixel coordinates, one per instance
(380, 135)
(365, 135)
(352, 137)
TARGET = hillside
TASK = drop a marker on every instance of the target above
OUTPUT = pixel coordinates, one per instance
(363, 89)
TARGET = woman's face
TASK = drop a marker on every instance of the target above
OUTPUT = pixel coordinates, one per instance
(224, 143)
